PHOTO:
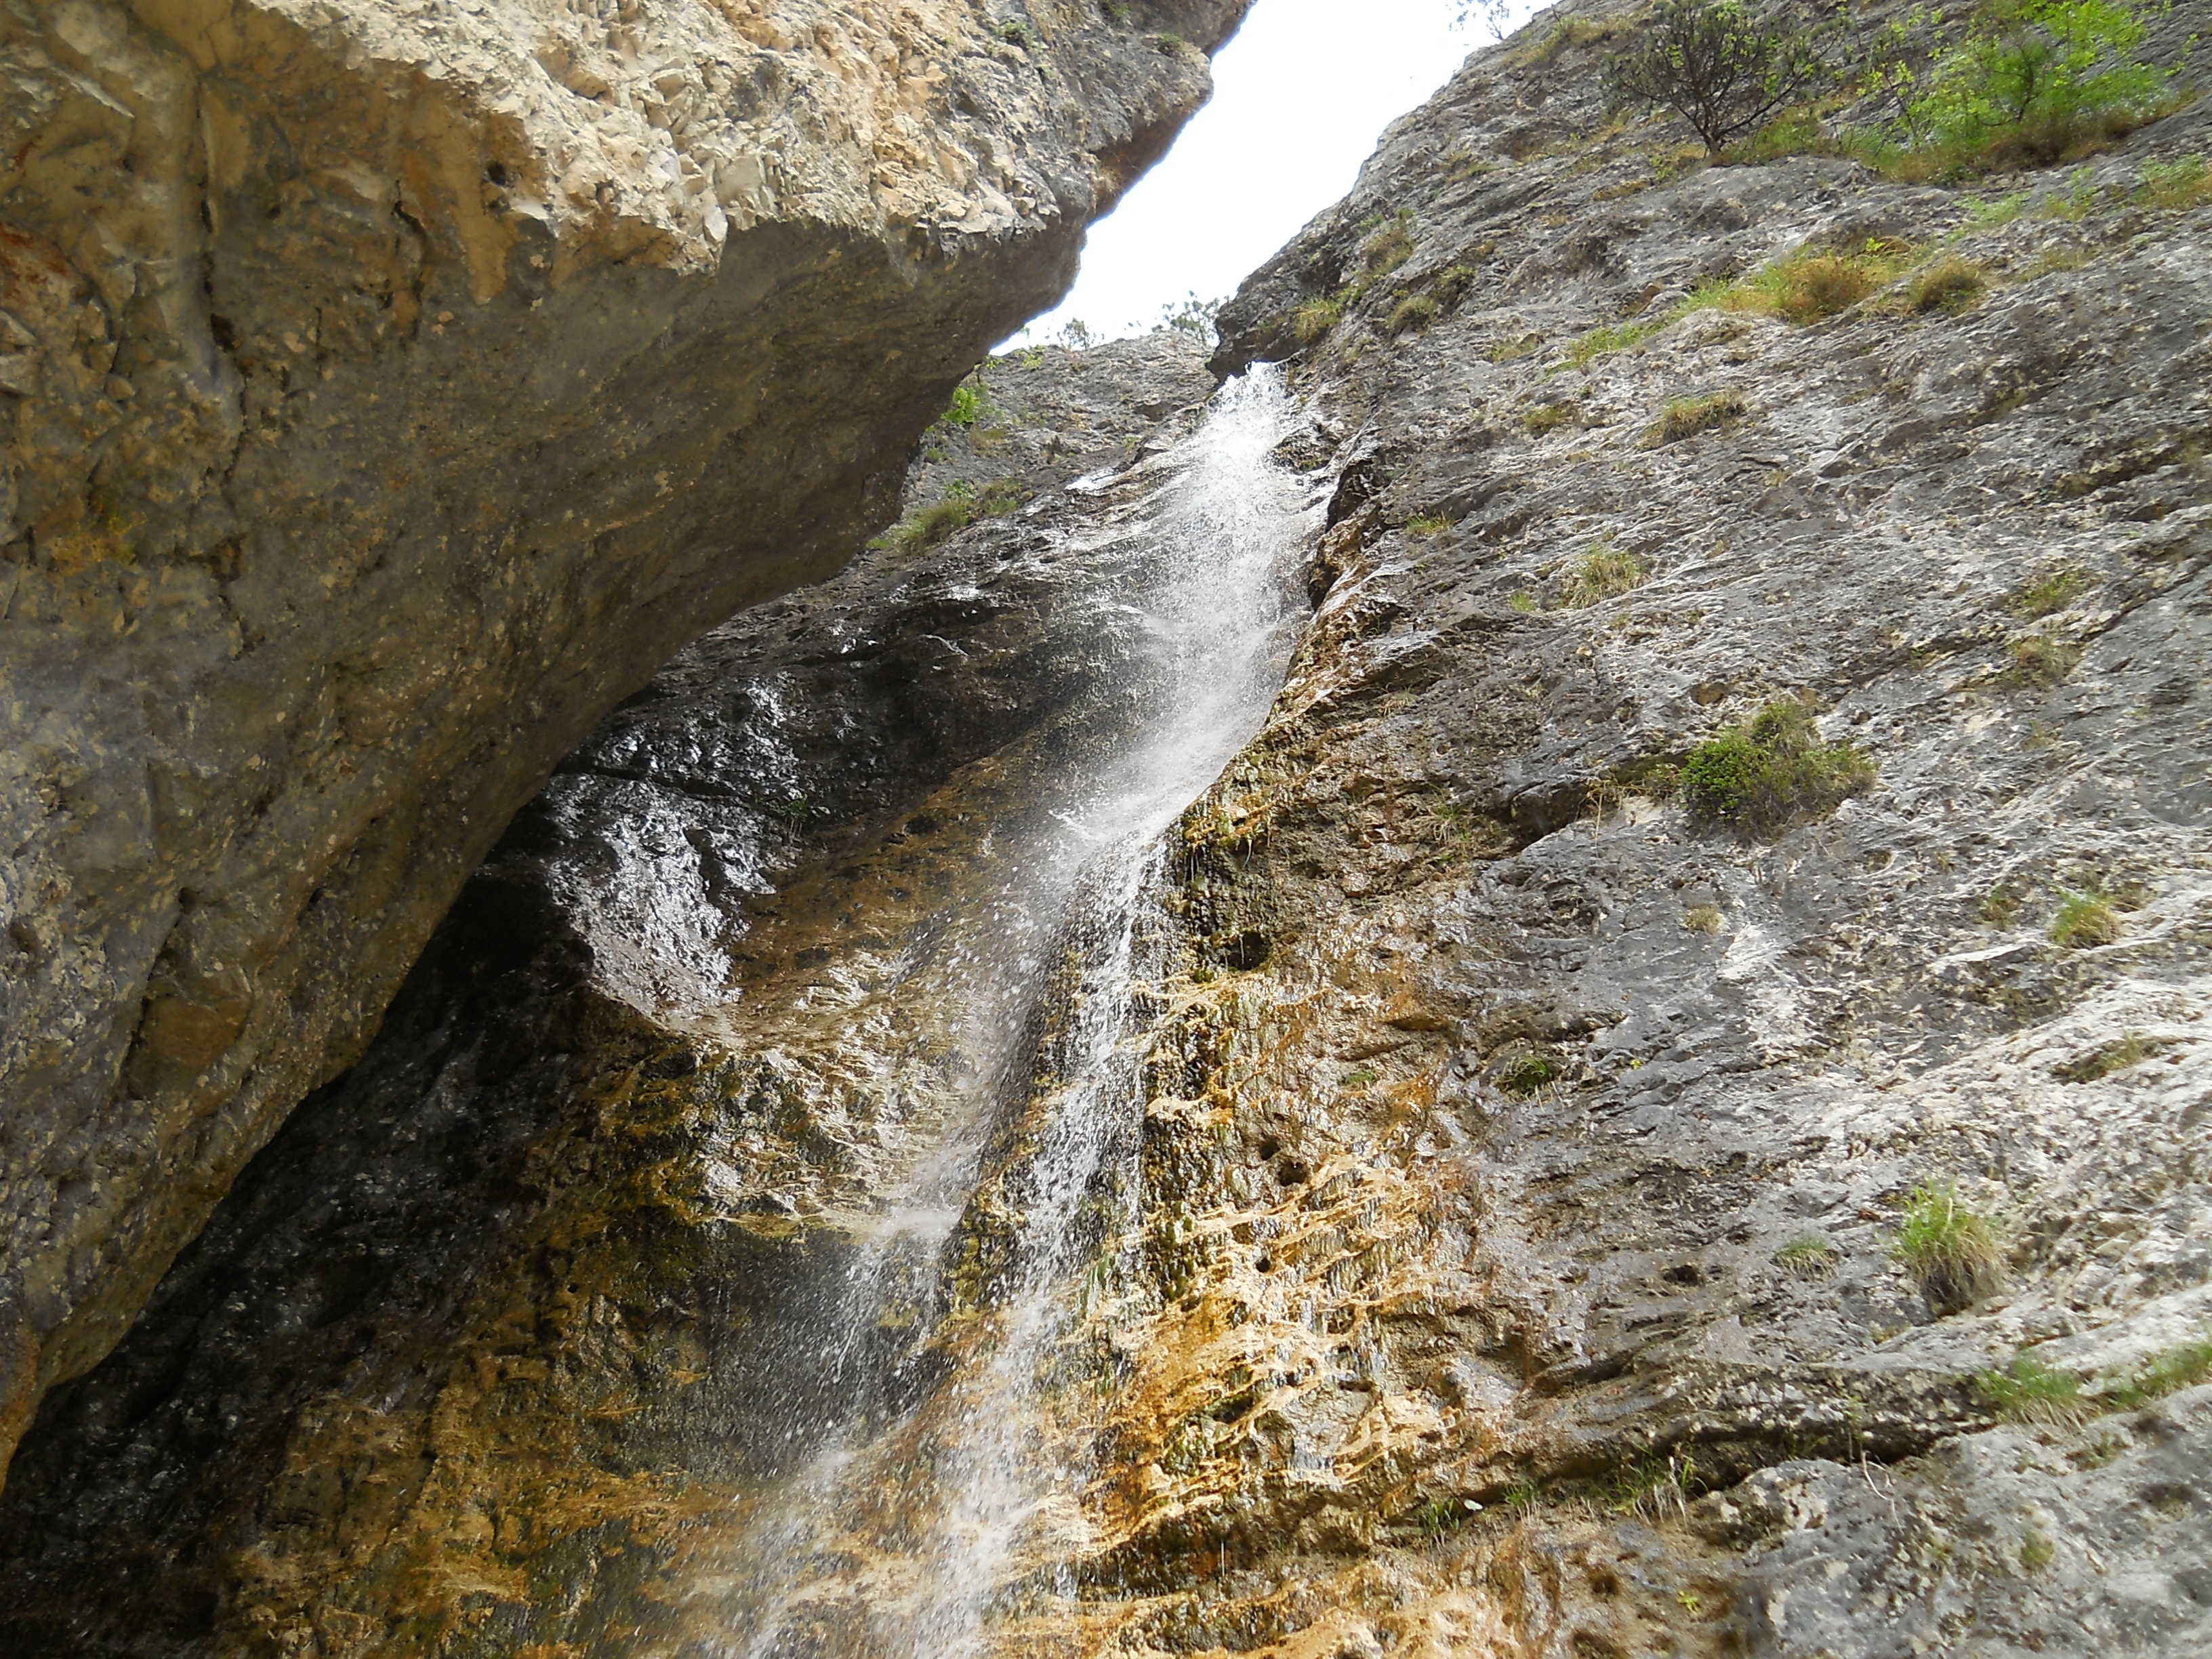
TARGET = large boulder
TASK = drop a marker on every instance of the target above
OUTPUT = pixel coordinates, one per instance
(387, 389)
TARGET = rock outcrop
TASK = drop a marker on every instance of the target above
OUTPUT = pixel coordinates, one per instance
(387, 390)
(1515, 1256)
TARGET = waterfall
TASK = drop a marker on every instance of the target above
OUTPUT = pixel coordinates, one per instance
(917, 1490)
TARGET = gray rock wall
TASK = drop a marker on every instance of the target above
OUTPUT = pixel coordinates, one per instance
(385, 392)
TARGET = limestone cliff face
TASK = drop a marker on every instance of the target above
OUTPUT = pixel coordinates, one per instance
(1508, 1262)
(385, 392)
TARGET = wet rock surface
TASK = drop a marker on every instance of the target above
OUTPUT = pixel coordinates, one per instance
(1513, 1262)
(384, 392)
(484, 1347)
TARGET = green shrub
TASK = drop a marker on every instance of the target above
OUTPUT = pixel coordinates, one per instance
(2031, 76)
(1722, 68)
(1954, 1253)
(1951, 284)
(969, 401)
(1687, 416)
(2029, 1391)
(1525, 1075)
(1765, 775)
(1603, 573)
(2085, 919)
(1703, 919)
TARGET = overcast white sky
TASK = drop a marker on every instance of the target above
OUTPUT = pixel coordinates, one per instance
(1300, 97)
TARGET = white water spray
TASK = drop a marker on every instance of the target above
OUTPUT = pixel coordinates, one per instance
(1208, 569)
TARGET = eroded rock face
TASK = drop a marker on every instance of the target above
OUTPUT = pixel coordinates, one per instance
(386, 391)
(1510, 1264)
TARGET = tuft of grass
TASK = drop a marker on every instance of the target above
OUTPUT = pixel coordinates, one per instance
(1808, 287)
(1602, 342)
(1988, 213)
(1656, 1487)
(1808, 1256)
(1550, 418)
(1389, 246)
(2029, 1391)
(1524, 603)
(1316, 317)
(1949, 285)
(2085, 919)
(1570, 33)
(1414, 311)
(1527, 1074)
(2071, 257)
(1702, 919)
(2053, 592)
(1459, 164)
(1771, 773)
(2042, 660)
(1687, 416)
(1429, 524)
(1953, 1252)
(2130, 1050)
(961, 505)
(1603, 572)
(1445, 1516)
(2000, 905)
(2165, 1373)
(2036, 1549)
(2177, 184)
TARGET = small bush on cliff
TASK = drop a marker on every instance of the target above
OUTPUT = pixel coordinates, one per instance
(1768, 774)
(2031, 77)
(1724, 69)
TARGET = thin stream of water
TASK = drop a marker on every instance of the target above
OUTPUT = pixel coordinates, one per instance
(954, 1485)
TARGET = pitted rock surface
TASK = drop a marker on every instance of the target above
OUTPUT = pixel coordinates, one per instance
(386, 390)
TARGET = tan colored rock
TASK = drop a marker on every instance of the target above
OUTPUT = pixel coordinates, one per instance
(387, 390)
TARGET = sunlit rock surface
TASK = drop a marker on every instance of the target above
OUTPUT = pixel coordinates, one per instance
(1506, 1263)
(386, 390)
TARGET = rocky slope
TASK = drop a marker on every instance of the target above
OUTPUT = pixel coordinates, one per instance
(1508, 1262)
(387, 390)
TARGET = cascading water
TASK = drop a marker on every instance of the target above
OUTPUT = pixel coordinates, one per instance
(915, 1486)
